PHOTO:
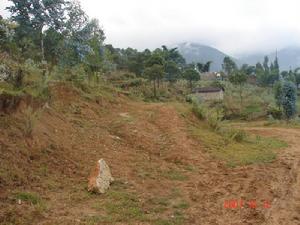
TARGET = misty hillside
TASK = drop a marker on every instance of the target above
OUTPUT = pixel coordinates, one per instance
(193, 52)
(288, 58)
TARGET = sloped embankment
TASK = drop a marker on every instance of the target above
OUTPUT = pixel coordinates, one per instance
(162, 174)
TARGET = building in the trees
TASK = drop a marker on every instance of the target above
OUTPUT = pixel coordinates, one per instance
(209, 93)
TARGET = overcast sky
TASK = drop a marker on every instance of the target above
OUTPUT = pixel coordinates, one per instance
(233, 26)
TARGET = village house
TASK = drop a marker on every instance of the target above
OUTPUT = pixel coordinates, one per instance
(209, 93)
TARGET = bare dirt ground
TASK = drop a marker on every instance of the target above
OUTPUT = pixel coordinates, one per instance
(286, 187)
(152, 156)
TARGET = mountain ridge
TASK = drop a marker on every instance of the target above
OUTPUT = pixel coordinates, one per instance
(289, 57)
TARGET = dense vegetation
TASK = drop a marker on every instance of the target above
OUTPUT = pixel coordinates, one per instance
(56, 40)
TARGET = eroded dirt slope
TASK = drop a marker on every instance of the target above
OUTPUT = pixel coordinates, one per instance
(152, 157)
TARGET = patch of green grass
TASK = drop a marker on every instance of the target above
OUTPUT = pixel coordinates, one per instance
(119, 205)
(33, 198)
(124, 206)
(252, 150)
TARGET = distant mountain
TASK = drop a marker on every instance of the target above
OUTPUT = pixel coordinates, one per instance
(193, 52)
(287, 57)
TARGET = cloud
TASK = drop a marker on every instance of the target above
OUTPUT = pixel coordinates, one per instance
(234, 26)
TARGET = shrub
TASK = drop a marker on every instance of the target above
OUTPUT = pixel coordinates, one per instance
(214, 118)
(30, 120)
(289, 93)
(217, 83)
(232, 134)
(275, 112)
(199, 110)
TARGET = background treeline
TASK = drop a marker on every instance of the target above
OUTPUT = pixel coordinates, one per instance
(47, 40)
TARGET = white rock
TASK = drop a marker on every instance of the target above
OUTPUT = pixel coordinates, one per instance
(100, 178)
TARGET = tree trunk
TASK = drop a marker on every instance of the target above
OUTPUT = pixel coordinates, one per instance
(241, 98)
(42, 44)
(154, 88)
(43, 53)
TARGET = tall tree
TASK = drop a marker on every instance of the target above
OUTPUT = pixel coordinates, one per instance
(297, 76)
(278, 93)
(206, 66)
(276, 65)
(38, 15)
(95, 38)
(229, 66)
(266, 65)
(172, 71)
(154, 73)
(7, 32)
(239, 78)
(248, 70)
(191, 75)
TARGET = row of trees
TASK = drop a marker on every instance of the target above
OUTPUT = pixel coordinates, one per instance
(285, 83)
(58, 33)
(54, 31)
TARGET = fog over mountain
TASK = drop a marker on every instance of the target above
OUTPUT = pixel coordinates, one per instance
(289, 58)
(194, 52)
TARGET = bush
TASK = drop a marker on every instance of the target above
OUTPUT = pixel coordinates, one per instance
(214, 118)
(132, 83)
(232, 134)
(275, 112)
(30, 120)
(289, 92)
(199, 110)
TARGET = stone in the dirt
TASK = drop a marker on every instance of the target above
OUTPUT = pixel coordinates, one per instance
(100, 178)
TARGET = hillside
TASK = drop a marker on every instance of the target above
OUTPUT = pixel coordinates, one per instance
(163, 172)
